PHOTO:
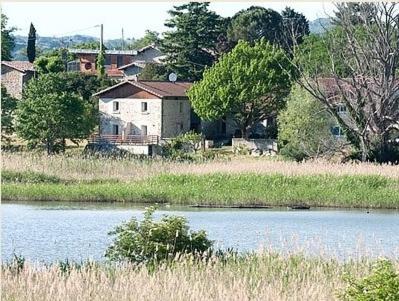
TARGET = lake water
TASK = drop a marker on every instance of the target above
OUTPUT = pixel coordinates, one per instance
(48, 232)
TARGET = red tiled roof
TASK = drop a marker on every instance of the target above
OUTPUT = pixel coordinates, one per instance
(157, 88)
(22, 66)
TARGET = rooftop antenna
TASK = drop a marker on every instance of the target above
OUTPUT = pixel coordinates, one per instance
(172, 77)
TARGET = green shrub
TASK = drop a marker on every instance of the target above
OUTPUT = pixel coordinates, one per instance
(381, 285)
(181, 147)
(151, 241)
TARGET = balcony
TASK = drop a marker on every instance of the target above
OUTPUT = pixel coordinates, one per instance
(128, 139)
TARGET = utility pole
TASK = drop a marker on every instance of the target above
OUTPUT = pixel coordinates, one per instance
(101, 37)
(123, 40)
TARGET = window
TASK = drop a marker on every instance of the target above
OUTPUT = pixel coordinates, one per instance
(119, 60)
(143, 130)
(341, 108)
(144, 107)
(115, 106)
(115, 129)
(181, 107)
(337, 131)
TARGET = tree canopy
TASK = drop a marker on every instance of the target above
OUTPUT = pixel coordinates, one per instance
(7, 39)
(304, 127)
(252, 24)
(49, 114)
(31, 48)
(255, 23)
(191, 43)
(249, 84)
(53, 61)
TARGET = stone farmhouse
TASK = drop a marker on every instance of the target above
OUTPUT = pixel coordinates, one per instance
(118, 63)
(141, 115)
(15, 75)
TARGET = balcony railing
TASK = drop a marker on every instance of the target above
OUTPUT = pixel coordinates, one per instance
(128, 139)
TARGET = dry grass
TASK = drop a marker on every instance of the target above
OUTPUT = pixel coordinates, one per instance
(261, 277)
(77, 168)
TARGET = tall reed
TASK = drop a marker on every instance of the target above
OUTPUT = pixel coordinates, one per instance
(263, 276)
(79, 168)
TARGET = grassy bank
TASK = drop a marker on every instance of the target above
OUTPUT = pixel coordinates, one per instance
(263, 276)
(217, 189)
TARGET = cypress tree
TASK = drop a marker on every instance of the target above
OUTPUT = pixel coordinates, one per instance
(31, 49)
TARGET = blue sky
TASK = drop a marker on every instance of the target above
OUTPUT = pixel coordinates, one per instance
(69, 18)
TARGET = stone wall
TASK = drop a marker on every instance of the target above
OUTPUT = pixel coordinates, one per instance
(264, 145)
(165, 118)
(12, 80)
(175, 117)
(130, 118)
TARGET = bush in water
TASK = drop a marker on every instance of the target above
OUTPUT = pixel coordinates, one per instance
(149, 241)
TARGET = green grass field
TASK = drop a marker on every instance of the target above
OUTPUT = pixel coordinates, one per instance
(247, 189)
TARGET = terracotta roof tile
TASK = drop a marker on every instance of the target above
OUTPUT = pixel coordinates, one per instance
(22, 66)
(157, 88)
(163, 88)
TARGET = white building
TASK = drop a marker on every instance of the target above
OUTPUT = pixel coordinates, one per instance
(144, 111)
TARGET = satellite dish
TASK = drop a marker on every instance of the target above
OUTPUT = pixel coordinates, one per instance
(172, 77)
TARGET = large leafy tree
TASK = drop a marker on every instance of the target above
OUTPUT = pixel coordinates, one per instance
(191, 43)
(304, 127)
(248, 84)
(48, 114)
(83, 84)
(51, 64)
(31, 48)
(255, 23)
(8, 105)
(7, 39)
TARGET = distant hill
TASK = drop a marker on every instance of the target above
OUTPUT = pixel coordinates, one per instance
(49, 43)
(319, 25)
